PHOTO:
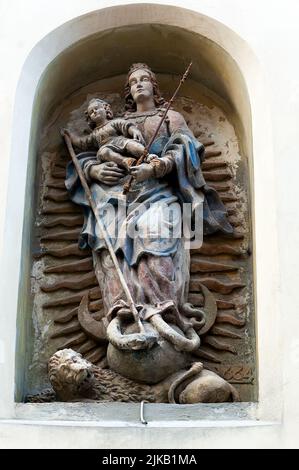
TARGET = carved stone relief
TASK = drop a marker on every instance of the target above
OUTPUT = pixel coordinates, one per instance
(70, 311)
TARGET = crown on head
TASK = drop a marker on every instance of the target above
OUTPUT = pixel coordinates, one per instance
(139, 66)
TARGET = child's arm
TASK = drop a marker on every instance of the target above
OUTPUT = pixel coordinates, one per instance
(84, 143)
(128, 129)
(135, 133)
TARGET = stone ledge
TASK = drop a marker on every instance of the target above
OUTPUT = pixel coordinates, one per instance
(124, 414)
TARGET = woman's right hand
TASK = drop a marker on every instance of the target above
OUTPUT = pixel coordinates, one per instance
(108, 173)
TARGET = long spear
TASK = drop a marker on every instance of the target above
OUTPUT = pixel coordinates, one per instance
(103, 232)
(127, 185)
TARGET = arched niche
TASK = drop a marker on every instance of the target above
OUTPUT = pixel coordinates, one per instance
(102, 45)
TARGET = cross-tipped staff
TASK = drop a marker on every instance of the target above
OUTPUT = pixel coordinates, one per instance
(104, 233)
(127, 185)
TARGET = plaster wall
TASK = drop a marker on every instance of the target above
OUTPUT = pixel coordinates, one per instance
(266, 57)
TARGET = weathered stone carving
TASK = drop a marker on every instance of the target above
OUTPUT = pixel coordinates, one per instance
(75, 379)
(198, 316)
(118, 140)
(146, 284)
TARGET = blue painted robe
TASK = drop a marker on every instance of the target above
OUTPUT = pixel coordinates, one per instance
(121, 214)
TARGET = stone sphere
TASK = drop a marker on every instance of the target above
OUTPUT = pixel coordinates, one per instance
(147, 365)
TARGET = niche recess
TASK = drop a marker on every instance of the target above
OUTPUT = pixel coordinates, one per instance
(215, 104)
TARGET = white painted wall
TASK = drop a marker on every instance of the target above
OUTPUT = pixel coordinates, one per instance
(270, 29)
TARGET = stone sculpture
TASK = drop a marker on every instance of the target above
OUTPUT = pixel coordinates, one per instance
(156, 268)
(114, 137)
(75, 379)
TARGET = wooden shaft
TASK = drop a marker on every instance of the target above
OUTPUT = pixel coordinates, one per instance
(104, 233)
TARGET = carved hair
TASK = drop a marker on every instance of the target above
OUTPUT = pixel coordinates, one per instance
(75, 378)
(158, 99)
(53, 367)
(106, 106)
(65, 375)
(107, 386)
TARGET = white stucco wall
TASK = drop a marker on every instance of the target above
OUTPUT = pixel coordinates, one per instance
(270, 29)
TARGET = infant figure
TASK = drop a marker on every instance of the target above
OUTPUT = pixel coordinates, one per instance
(118, 140)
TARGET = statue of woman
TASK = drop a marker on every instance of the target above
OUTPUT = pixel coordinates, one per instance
(143, 224)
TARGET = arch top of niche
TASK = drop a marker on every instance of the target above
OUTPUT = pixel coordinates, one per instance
(76, 54)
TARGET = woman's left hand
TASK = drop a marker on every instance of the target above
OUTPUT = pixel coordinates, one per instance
(142, 172)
